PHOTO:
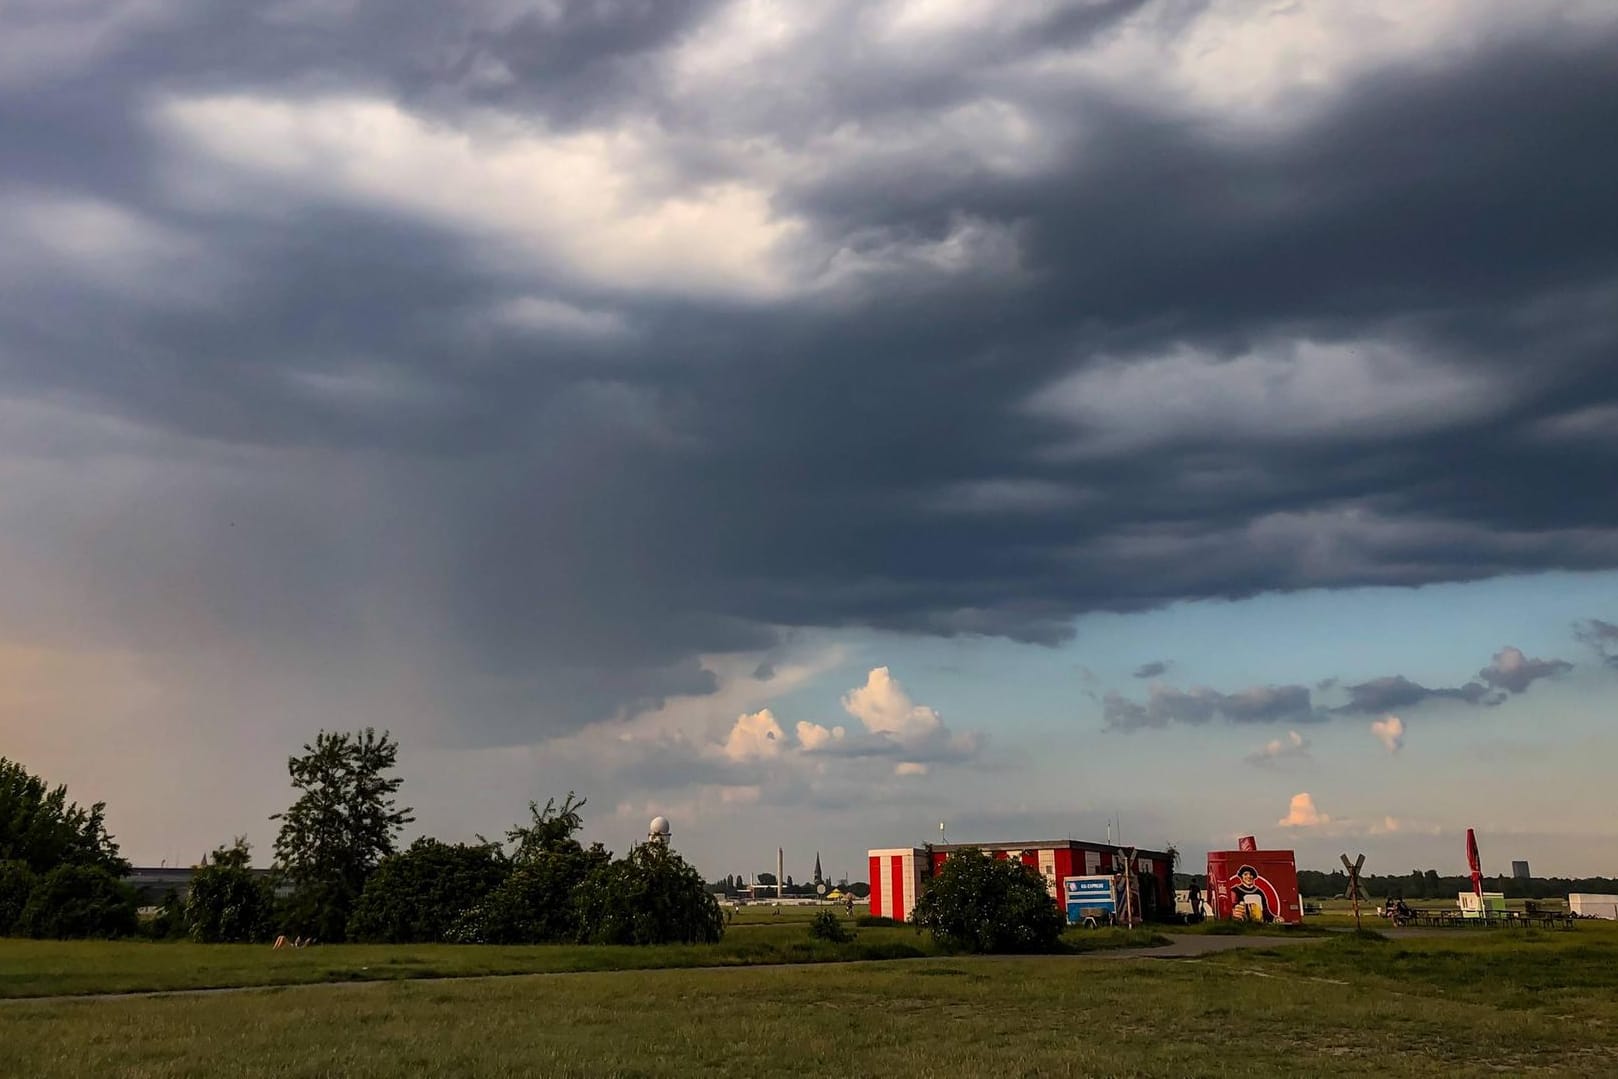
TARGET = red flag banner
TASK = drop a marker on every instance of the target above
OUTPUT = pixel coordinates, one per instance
(1247, 842)
(1473, 862)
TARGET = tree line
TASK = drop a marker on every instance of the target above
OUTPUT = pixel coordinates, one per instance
(338, 873)
(1428, 884)
(735, 885)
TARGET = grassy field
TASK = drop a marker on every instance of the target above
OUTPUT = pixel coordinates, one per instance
(1505, 1004)
(44, 968)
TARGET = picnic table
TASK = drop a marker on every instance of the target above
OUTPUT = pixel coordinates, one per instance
(1511, 919)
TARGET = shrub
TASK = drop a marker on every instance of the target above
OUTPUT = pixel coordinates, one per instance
(651, 896)
(74, 901)
(169, 923)
(419, 894)
(867, 921)
(827, 926)
(537, 902)
(979, 904)
(230, 904)
(16, 881)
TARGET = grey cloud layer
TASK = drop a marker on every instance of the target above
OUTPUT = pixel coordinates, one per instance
(1040, 344)
(1509, 672)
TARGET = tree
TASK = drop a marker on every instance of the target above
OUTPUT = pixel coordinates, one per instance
(343, 824)
(74, 901)
(16, 882)
(860, 889)
(537, 902)
(976, 903)
(228, 902)
(549, 830)
(416, 896)
(766, 879)
(40, 827)
(650, 896)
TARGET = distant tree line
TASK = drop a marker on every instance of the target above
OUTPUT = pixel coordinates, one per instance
(1428, 884)
(338, 874)
(735, 885)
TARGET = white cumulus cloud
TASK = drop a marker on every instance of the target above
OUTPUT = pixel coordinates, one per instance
(1293, 747)
(1302, 813)
(1390, 732)
(756, 736)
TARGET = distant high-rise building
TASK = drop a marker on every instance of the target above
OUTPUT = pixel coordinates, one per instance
(1519, 870)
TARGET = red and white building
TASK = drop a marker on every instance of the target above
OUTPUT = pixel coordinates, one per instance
(899, 874)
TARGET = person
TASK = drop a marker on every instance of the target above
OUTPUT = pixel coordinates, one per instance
(1251, 891)
(1194, 897)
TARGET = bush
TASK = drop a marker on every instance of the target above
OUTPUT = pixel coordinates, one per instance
(16, 882)
(74, 901)
(537, 902)
(230, 904)
(979, 904)
(169, 923)
(652, 896)
(418, 895)
(868, 921)
(827, 926)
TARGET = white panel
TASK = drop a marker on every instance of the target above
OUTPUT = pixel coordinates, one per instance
(1092, 863)
(1047, 868)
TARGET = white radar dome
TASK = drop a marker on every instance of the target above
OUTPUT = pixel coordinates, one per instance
(659, 826)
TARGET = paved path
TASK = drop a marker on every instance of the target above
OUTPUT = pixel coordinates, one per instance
(1197, 945)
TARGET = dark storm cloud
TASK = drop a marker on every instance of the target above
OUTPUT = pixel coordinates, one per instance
(1602, 637)
(1509, 672)
(1393, 692)
(1514, 672)
(1166, 706)
(1379, 308)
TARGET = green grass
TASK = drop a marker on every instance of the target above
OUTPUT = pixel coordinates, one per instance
(48, 968)
(1305, 1010)
(1528, 970)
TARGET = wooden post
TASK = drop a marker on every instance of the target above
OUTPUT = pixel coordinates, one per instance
(1354, 868)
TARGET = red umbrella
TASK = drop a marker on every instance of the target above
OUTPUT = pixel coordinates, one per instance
(1472, 860)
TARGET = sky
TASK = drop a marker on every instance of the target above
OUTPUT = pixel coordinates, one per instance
(820, 423)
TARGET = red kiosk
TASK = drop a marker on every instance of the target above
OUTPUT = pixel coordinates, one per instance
(1253, 884)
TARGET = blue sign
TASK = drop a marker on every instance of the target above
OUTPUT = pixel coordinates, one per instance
(1088, 897)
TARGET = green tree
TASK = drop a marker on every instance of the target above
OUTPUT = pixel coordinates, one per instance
(16, 882)
(650, 896)
(75, 901)
(976, 903)
(39, 826)
(537, 902)
(228, 902)
(419, 894)
(344, 822)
